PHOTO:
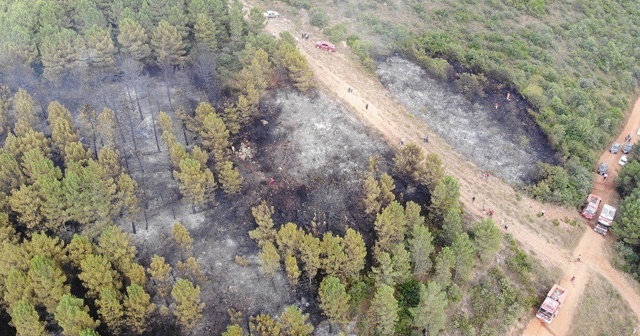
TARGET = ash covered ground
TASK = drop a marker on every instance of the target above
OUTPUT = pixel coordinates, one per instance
(504, 141)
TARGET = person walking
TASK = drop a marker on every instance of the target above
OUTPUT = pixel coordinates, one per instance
(366, 106)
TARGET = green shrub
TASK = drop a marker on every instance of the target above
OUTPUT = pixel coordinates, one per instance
(318, 17)
(337, 32)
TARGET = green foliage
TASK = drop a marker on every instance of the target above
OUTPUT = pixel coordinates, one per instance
(334, 300)
(318, 17)
(188, 306)
(294, 322)
(265, 232)
(487, 239)
(430, 315)
(73, 316)
(337, 33)
(26, 320)
(421, 247)
(384, 310)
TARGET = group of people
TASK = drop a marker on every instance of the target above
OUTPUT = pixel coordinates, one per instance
(487, 212)
(305, 36)
(628, 138)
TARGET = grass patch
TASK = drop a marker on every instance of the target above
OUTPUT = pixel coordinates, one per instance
(602, 311)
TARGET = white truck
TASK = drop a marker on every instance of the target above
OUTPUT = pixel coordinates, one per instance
(552, 303)
(605, 219)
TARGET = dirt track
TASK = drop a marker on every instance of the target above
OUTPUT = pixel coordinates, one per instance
(371, 102)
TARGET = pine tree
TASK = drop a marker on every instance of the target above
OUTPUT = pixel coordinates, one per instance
(160, 273)
(205, 31)
(236, 25)
(401, 261)
(233, 330)
(384, 272)
(26, 320)
(47, 281)
(294, 322)
(288, 239)
(110, 309)
(78, 249)
(107, 127)
(384, 311)
(487, 239)
(255, 72)
(269, 259)
(11, 175)
(200, 155)
(214, 133)
(391, 226)
(196, 182)
(371, 198)
(36, 164)
(73, 316)
(192, 270)
(17, 287)
(87, 15)
(61, 124)
(356, 252)
(62, 52)
(229, 177)
(26, 204)
(444, 198)
(45, 246)
(334, 300)
(465, 257)
(182, 236)
(433, 170)
(89, 332)
(264, 325)
(412, 211)
(97, 274)
(430, 316)
(102, 49)
(231, 118)
(188, 308)
(293, 271)
(133, 40)
(265, 232)
(117, 247)
(335, 259)
(7, 231)
(24, 108)
(409, 162)
(136, 274)
(421, 246)
(109, 159)
(310, 250)
(127, 201)
(75, 153)
(138, 309)
(445, 262)
(168, 45)
(387, 185)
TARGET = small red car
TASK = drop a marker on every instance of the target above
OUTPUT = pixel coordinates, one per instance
(324, 45)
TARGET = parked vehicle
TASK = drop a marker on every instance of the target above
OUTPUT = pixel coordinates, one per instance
(606, 218)
(593, 202)
(552, 303)
(615, 148)
(324, 45)
(603, 168)
(623, 160)
(627, 148)
(271, 14)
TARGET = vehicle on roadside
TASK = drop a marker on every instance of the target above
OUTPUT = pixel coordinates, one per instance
(552, 303)
(590, 209)
(603, 168)
(627, 148)
(615, 148)
(606, 218)
(623, 160)
(271, 14)
(324, 45)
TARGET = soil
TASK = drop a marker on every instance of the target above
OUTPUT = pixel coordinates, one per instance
(374, 105)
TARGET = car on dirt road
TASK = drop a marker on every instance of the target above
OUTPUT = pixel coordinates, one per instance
(324, 45)
(627, 148)
(603, 168)
(271, 14)
(615, 148)
(623, 160)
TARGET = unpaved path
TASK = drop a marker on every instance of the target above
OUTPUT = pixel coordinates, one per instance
(372, 103)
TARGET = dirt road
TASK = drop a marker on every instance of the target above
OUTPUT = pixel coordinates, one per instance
(372, 103)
